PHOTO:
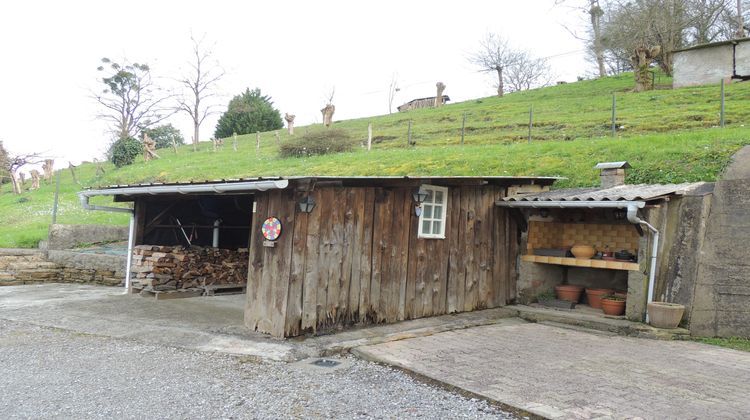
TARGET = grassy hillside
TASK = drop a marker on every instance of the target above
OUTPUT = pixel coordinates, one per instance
(667, 135)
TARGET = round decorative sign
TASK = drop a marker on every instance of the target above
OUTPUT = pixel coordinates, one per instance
(271, 228)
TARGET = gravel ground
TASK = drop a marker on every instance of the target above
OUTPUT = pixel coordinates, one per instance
(51, 373)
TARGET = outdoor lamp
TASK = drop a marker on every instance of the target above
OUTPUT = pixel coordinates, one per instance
(419, 195)
(307, 204)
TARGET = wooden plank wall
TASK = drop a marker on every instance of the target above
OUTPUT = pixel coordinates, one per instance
(357, 259)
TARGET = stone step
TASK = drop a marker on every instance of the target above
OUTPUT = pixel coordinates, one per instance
(584, 321)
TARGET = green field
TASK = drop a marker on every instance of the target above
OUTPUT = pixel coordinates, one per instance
(667, 136)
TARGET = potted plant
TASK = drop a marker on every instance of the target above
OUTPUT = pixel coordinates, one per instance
(594, 296)
(545, 296)
(665, 314)
(569, 292)
(613, 305)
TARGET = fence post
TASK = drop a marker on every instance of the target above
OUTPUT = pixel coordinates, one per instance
(721, 114)
(531, 120)
(257, 141)
(369, 136)
(234, 142)
(614, 115)
(57, 194)
(463, 126)
(408, 135)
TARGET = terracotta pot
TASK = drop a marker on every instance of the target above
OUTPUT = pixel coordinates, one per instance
(623, 295)
(569, 292)
(613, 307)
(594, 296)
(665, 315)
(583, 251)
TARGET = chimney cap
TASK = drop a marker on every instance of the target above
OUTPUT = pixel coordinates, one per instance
(612, 165)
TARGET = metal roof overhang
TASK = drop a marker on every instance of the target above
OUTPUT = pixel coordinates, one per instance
(571, 204)
(210, 188)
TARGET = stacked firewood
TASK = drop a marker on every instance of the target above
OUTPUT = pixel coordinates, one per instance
(162, 268)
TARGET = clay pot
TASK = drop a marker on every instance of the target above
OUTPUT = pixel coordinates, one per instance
(665, 315)
(583, 251)
(569, 292)
(613, 307)
(623, 295)
(594, 296)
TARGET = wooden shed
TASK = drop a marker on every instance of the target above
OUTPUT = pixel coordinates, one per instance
(330, 252)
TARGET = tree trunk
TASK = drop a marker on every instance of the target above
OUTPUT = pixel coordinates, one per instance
(596, 12)
(500, 87)
(196, 133)
(15, 182)
(740, 21)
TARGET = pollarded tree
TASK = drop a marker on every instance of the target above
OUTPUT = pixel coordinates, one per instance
(130, 99)
(247, 113)
(165, 135)
(495, 54)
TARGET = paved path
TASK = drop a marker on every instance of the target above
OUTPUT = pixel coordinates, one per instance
(562, 373)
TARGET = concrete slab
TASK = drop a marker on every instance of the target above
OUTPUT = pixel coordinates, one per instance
(213, 324)
(563, 373)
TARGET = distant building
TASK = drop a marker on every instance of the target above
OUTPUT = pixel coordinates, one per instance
(709, 63)
(421, 103)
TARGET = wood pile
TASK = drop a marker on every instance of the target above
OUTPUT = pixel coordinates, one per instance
(164, 268)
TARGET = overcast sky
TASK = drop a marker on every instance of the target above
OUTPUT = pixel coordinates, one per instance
(294, 51)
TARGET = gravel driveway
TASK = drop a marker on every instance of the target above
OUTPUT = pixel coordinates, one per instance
(53, 373)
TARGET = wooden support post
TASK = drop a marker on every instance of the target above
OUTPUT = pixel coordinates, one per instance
(369, 136)
(614, 115)
(463, 127)
(531, 120)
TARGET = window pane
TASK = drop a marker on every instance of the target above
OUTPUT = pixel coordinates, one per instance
(427, 211)
(438, 212)
(436, 227)
(426, 227)
(429, 196)
(439, 197)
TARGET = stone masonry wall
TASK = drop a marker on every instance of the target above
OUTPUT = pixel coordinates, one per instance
(30, 266)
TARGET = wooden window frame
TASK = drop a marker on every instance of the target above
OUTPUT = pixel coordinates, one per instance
(444, 216)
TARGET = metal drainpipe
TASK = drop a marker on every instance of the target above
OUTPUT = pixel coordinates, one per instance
(131, 231)
(633, 218)
(215, 242)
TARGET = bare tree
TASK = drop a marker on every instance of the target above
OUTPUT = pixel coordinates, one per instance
(392, 90)
(706, 20)
(130, 99)
(200, 83)
(495, 55)
(528, 72)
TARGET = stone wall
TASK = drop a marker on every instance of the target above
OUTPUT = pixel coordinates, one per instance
(30, 266)
(71, 236)
(721, 305)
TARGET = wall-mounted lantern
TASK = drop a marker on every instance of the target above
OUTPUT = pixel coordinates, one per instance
(620, 214)
(419, 196)
(307, 204)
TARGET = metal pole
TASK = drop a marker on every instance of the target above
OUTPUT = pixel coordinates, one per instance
(721, 114)
(57, 194)
(463, 126)
(531, 120)
(129, 258)
(614, 115)
(408, 135)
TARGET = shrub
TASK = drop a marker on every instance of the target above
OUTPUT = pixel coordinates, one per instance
(125, 150)
(247, 113)
(333, 140)
(163, 136)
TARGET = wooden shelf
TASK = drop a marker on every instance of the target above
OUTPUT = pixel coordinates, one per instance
(579, 262)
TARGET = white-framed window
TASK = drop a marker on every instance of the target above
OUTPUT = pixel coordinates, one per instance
(434, 210)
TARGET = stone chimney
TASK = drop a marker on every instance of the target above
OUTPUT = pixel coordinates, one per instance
(612, 174)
